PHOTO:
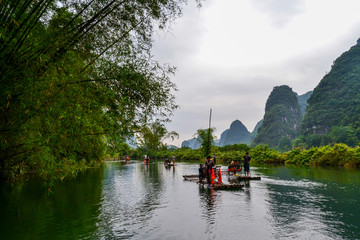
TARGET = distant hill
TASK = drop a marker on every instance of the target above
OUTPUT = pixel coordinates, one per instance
(281, 119)
(237, 133)
(192, 143)
(171, 147)
(195, 143)
(335, 102)
(281, 101)
(223, 137)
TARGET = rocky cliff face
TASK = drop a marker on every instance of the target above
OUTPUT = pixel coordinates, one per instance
(281, 119)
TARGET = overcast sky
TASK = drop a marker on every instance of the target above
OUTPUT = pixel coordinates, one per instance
(230, 54)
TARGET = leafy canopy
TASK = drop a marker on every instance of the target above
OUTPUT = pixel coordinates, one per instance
(76, 75)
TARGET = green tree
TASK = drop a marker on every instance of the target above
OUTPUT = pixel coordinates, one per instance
(206, 138)
(284, 144)
(152, 137)
(74, 75)
(345, 135)
(299, 142)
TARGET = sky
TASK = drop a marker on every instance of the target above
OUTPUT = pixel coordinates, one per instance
(230, 54)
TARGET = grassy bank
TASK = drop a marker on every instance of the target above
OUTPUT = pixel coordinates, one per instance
(336, 155)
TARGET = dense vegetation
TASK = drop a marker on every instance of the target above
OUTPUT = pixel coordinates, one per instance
(77, 77)
(334, 106)
(281, 120)
(336, 155)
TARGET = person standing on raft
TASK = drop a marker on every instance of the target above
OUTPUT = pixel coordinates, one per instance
(202, 173)
(147, 159)
(208, 165)
(246, 165)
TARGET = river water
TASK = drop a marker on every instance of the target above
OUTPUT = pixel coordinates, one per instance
(137, 201)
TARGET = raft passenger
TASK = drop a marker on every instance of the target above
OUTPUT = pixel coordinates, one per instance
(202, 173)
(247, 165)
(231, 167)
(209, 164)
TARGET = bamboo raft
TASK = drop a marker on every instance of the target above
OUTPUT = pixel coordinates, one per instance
(243, 178)
(169, 164)
(240, 177)
(216, 186)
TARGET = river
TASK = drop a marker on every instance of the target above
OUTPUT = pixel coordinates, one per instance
(137, 201)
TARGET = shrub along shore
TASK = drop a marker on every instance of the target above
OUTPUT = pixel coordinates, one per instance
(337, 155)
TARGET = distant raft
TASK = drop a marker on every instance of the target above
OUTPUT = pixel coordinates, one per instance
(216, 186)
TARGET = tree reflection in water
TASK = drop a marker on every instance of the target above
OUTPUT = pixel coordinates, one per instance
(130, 198)
(209, 200)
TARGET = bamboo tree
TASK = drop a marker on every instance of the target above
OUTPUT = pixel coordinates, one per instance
(75, 73)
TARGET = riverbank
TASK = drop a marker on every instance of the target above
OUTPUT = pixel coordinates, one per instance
(336, 155)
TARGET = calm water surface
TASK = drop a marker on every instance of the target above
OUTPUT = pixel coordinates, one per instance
(134, 201)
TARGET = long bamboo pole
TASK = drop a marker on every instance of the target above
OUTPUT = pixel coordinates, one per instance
(209, 133)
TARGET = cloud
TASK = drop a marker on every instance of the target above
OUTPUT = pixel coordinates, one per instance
(279, 12)
(182, 38)
(230, 55)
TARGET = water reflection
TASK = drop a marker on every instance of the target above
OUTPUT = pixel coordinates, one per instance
(312, 209)
(137, 201)
(29, 212)
(208, 203)
(131, 193)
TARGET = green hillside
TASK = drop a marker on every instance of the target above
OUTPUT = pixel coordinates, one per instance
(281, 120)
(334, 106)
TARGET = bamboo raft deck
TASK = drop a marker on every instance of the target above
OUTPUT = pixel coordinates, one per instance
(169, 164)
(216, 186)
(240, 177)
(243, 178)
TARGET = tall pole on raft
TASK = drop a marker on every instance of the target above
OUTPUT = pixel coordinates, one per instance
(209, 144)
(210, 118)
